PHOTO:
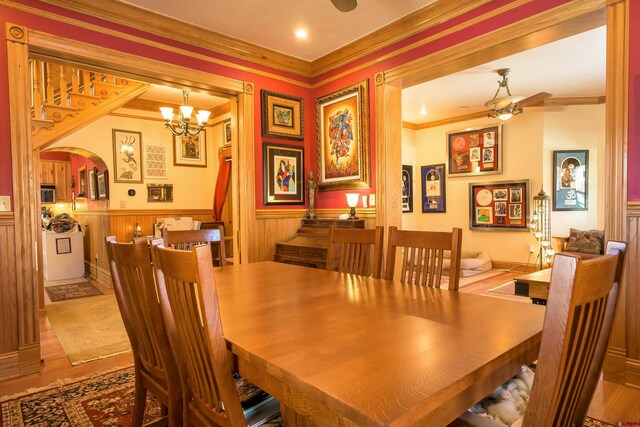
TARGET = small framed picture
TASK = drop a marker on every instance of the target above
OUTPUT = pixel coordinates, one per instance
(93, 183)
(283, 174)
(571, 180)
(407, 188)
(190, 150)
(282, 115)
(127, 155)
(226, 132)
(433, 188)
(103, 185)
(63, 245)
(475, 151)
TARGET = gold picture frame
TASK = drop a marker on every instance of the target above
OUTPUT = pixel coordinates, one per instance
(190, 150)
(343, 138)
(282, 115)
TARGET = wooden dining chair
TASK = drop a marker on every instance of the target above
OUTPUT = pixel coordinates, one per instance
(423, 256)
(190, 308)
(355, 251)
(186, 239)
(155, 367)
(577, 323)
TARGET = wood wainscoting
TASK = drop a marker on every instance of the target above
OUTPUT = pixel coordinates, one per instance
(8, 299)
(98, 224)
(277, 225)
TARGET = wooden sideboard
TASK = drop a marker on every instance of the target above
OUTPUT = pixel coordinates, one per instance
(309, 246)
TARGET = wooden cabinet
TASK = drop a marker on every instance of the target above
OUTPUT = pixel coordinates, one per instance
(47, 172)
(309, 246)
(63, 181)
(58, 173)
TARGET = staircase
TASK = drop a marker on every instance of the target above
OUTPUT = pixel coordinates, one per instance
(66, 98)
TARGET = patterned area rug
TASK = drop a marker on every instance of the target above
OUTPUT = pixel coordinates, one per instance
(102, 399)
(508, 288)
(71, 291)
(592, 422)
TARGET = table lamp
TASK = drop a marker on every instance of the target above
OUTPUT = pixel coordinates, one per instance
(352, 201)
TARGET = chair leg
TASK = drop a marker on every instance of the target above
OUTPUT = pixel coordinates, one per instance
(139, 403)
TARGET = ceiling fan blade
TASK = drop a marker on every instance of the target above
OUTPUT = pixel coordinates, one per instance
(345, 5)
(534, 100)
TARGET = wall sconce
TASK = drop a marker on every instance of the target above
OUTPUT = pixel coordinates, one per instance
(540, 225)
(352, 201)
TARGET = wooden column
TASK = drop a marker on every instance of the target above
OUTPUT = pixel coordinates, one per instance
(25, 206)
(244, 152)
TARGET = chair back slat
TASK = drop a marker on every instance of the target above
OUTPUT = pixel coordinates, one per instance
(574, 321)
(355, 251)
(135, 292)
(187, 239)
(188, 299)
(422, 256)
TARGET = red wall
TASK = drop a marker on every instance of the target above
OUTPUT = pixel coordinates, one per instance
(326, 199)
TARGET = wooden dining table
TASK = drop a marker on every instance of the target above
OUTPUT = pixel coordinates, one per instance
(339, 349)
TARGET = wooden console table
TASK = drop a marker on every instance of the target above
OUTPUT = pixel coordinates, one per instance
(537, 284)
(309, 246)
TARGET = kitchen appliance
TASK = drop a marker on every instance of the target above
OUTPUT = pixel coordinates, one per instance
(47, 193)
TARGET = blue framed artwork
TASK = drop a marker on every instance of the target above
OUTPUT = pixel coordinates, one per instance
(407, 188)
(433, 188)
(571, 180)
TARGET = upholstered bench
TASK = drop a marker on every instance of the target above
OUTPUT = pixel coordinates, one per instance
(586, 244)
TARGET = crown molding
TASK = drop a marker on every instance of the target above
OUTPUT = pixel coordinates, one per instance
(153, 23)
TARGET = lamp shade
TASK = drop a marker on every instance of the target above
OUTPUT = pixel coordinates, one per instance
(352, 199)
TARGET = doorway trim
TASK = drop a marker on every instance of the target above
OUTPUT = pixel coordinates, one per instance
(22, 43)
(571, 18)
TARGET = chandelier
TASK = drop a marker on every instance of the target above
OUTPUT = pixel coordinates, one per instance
(504, 107)
(182, 126)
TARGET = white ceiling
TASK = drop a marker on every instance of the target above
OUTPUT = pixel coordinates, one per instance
(272, 24)
(574, 66)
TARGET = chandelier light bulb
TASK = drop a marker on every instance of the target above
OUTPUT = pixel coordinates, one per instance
(182, 125)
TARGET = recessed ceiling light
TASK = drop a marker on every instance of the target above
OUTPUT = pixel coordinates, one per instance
(423, 110)
(301, 33)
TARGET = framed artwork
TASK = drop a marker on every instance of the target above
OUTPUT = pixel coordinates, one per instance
(127, 152)
(155, 161)
(93, 183)
(190, 150)
(226, 132)
(82, 182)
(343, 138)
(282, 115)
(501, 205)
(475, 151)
(63, 245)
(433, 188)
(407, 188)
(103, 185)
(571, 180)
(283, 174)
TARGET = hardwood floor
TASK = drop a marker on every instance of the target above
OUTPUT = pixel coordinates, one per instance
(612, 402)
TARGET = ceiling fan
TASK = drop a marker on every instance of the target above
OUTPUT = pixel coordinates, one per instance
(501, 107)
(345, 5)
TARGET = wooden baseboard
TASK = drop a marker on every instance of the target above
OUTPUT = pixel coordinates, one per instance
(98, 274)
(614, 369)
(9, 365)
(633, 373)
(513, 266)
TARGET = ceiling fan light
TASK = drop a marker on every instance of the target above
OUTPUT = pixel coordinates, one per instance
(505, 116)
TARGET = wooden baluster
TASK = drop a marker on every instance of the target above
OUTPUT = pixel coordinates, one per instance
(86, 82)
(37, 89)
(75, 85)
(64, 100)
(49, 79)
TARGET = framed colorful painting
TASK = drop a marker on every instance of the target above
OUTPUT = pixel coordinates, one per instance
(103, 185)
(434, 190)
(226, 132)
(343, 138)
(190, 150)
(283, 174)
(475, 151)
(502, 205)
(282, 115)
(571, 180)
(407, 188)
(127, 155)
